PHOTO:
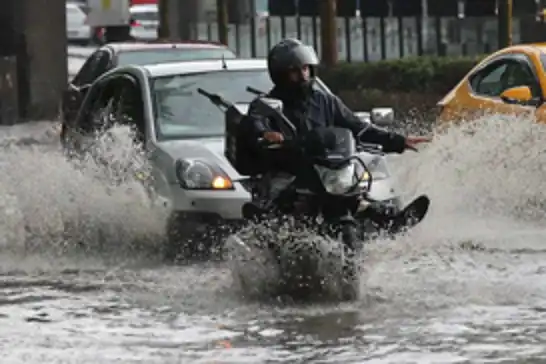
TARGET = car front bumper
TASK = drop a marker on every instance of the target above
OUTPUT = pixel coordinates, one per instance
(79, 34)
(224, 205)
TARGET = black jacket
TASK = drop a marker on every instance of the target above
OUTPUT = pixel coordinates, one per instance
(320, 109)
(323, 108)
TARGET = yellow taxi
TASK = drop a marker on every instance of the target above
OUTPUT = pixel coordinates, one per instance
(509, 81)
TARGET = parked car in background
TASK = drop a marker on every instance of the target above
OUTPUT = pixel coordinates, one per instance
(145, 21)
(77, 29)
(112, 55)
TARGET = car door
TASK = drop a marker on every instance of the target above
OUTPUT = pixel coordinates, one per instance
(481, 94)
(127, 109)
(95, 66)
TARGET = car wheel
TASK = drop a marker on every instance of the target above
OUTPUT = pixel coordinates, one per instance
(186, 239)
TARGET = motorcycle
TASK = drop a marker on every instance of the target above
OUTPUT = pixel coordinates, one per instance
(322, 199)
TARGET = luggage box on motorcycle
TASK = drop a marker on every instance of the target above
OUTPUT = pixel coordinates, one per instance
(237, 149)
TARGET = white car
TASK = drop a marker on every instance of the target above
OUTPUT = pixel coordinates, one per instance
(144, 21)
(183, 133)
(77, 29)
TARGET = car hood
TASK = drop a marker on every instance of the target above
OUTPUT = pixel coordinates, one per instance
(207, 149)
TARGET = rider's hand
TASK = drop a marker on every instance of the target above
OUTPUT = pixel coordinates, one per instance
(273, 137)
(413, 141)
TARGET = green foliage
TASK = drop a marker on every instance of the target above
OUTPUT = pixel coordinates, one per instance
(427, 75)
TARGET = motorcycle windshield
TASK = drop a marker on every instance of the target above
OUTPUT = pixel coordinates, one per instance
(330, 147)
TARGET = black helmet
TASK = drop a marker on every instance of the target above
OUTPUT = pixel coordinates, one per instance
(289, 54)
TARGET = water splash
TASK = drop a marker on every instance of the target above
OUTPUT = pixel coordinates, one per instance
(51, 205)
(485, 180)
(481, 245)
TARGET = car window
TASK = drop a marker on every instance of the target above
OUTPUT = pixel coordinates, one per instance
(500, 76)
(488, 81)
(181, 112)
(117, 100)
(129, 107)
(98, 107)
(103, 65)
(145, 16)
(95, 66)
(162, 55)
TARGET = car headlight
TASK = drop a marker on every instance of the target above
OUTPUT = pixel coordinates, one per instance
(200, 175)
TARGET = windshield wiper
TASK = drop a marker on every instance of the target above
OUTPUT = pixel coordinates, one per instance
(216, 99)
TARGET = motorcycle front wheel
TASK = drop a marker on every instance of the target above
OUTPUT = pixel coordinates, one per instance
(350, 280)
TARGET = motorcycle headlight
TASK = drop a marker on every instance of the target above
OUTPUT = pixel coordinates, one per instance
(339, 181)
(200, 175)
(378, 168)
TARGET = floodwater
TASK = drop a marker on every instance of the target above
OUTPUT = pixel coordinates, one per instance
(82, 280)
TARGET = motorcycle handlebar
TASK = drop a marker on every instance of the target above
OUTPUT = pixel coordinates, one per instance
(264, 143)
(370, 148)
(378, 149)
(361, 147)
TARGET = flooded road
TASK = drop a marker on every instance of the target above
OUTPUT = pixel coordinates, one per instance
(82, 280)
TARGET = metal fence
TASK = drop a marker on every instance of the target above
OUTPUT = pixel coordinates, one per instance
(369, 39)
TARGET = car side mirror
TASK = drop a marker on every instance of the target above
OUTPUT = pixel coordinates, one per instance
(364, 116)
(517, 95)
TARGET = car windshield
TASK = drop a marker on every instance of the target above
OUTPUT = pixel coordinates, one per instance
(182, 113)
(163, 55)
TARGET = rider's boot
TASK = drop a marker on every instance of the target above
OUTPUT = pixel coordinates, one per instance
(379, 213)
(393, 220)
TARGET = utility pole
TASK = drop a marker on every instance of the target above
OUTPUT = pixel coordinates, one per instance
(505, 23)
(34, 59)
(222, 19)
(328, 32)
(164, 31)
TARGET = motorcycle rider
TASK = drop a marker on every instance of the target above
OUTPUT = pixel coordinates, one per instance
(292, 69)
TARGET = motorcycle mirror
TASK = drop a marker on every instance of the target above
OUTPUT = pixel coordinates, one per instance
(364, 116)
(269, 106)
(382, 116)
(272, 108)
